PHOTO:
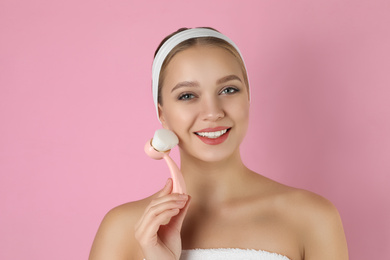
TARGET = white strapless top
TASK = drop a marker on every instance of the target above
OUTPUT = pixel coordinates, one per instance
(230, 254)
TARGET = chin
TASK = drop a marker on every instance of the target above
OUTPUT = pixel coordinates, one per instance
(212, 158)
(210, 155)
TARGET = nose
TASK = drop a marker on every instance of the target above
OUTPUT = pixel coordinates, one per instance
(212, 109)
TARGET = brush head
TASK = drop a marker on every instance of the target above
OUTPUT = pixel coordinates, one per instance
(164, 140)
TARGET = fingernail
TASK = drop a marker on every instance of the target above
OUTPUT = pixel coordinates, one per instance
(183, 196)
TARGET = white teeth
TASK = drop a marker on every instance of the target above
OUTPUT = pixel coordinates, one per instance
(212, 134)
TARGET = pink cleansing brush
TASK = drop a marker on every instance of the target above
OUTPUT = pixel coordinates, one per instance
(158, 148)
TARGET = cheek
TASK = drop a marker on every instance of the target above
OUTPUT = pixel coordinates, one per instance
(177, 118)
(240, 111)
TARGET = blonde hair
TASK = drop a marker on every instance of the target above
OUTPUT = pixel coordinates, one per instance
(211, 41)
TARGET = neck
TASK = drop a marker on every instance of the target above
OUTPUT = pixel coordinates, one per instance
(211, 183)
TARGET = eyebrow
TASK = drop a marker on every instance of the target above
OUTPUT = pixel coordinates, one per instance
(196, 84)
(228, 78)
(185, 84)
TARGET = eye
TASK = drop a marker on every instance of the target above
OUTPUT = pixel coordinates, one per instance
(229, 90)
(186, 96)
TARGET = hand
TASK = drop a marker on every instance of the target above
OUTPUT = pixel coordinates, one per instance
(158, 230)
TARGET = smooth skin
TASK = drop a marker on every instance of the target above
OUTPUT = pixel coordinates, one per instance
(229, 205)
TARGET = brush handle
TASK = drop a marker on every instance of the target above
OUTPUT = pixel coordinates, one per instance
(179, 185)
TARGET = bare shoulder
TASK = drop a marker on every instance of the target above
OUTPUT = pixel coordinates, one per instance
(308, 205)
(115, 236)
(302, 207)
(298, 203)
(313, 219)
(320, 227)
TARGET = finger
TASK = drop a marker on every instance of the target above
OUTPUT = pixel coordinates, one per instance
(147, 234)
(178, 220)
(159, 205)
(157, 209)
(167, 188)
(166, 198)
(164, 191)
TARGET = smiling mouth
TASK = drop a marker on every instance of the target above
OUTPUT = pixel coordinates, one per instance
(213, 135)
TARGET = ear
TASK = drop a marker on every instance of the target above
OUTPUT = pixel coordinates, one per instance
(161, 117)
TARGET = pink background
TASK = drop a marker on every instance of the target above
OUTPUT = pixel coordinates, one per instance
(76, 110)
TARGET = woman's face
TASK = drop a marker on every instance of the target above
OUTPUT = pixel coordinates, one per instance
(205, 102)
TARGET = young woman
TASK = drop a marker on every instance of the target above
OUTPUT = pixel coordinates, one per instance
(202, 94)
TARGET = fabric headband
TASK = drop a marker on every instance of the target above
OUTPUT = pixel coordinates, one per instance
(171, 43)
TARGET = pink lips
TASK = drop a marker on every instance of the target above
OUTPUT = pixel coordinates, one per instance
(214, 141)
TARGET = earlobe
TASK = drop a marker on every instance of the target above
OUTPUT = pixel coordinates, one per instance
(161, 117)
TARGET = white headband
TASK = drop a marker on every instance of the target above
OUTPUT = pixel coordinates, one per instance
(171, 43)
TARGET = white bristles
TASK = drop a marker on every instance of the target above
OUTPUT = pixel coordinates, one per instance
(164, 140)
